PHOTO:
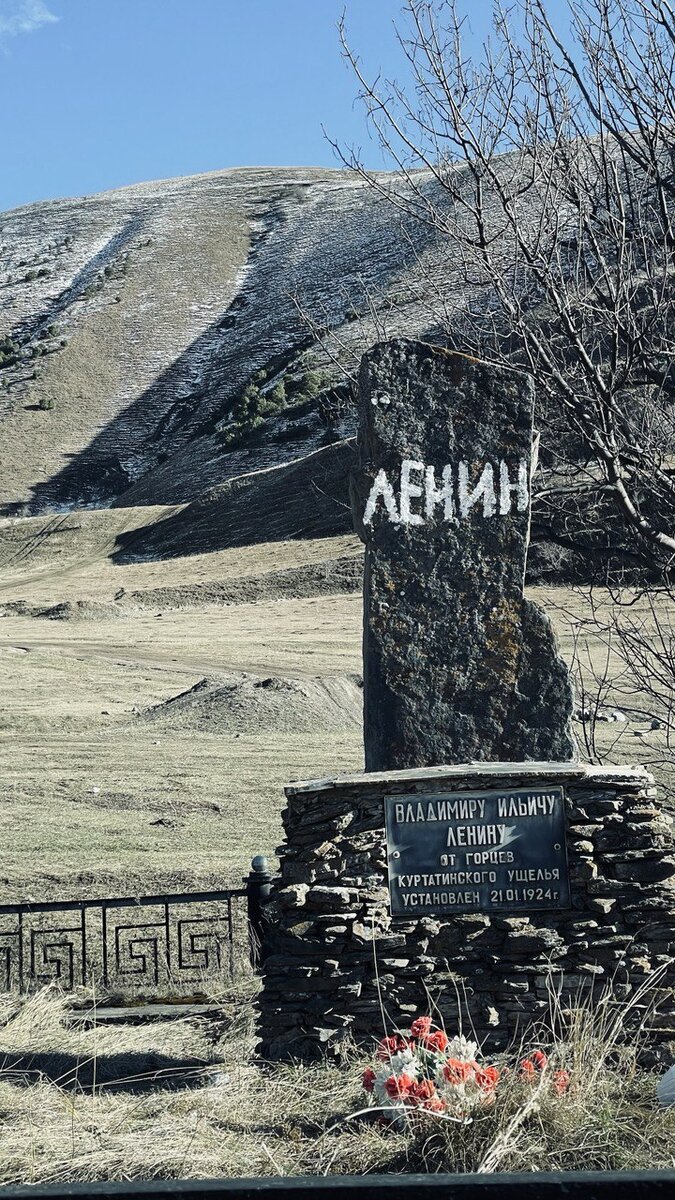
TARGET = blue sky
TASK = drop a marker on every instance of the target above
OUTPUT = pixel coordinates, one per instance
(99, 93)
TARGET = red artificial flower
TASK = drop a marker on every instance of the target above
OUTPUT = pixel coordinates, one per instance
(437, 1040)
(561, 1082)
(391, 1045)
(539, 1059)
(435, 1104)
(528, 1071)
(397, 1087)
(457, 1071)
(368, 1079)
(487, 1078)
(420, 1026)
(422, 1092)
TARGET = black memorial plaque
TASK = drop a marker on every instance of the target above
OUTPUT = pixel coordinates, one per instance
(460, 852)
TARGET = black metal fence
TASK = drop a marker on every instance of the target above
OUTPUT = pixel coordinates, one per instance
(135, 944)
(573, 1185)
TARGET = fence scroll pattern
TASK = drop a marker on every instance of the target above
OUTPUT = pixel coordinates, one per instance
(126, 944)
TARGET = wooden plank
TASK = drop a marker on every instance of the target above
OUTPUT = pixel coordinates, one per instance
(140, 1014)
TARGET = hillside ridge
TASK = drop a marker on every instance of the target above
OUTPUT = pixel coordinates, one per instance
(133, 319)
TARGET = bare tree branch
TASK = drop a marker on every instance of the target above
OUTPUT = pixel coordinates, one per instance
(547, 170)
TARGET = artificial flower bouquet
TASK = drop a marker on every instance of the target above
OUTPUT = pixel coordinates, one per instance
(427, 1071)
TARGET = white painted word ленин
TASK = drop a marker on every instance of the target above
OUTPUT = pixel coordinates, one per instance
(493, 494)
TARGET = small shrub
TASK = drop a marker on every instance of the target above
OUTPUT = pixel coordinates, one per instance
(45, 403)
(310, 384)
(278, 394)
(30, 276)
(250, 408)
(273, 401)
(247, 403)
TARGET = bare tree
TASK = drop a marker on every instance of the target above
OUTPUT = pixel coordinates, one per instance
(545, 174)
(623, 659)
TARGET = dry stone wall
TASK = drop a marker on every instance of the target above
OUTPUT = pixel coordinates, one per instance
(335, 952)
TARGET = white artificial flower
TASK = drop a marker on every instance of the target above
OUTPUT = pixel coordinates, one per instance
(382, 1073)
(439, 1077)
(459, 1047)
(404, 1060)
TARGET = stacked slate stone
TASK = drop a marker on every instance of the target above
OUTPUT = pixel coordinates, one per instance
(336, 955)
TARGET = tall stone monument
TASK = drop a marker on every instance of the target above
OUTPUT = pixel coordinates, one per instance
(457, 865)
(458, 665)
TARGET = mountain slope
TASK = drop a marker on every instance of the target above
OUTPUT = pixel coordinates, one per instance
(308, 498)
(137, 316)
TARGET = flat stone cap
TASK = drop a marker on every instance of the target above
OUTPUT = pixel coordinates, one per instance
(484, 771)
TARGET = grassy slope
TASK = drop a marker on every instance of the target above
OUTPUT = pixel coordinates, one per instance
(169, 296)
(68, 694)
(69, 689)
(183, 266)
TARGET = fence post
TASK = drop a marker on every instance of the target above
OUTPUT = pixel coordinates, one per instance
(258, 889)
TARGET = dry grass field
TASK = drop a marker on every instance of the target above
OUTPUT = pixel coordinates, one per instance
(88, 769)
(85, 775)
(189, 1099)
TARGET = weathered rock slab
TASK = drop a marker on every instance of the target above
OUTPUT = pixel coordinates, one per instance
(458, 665)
